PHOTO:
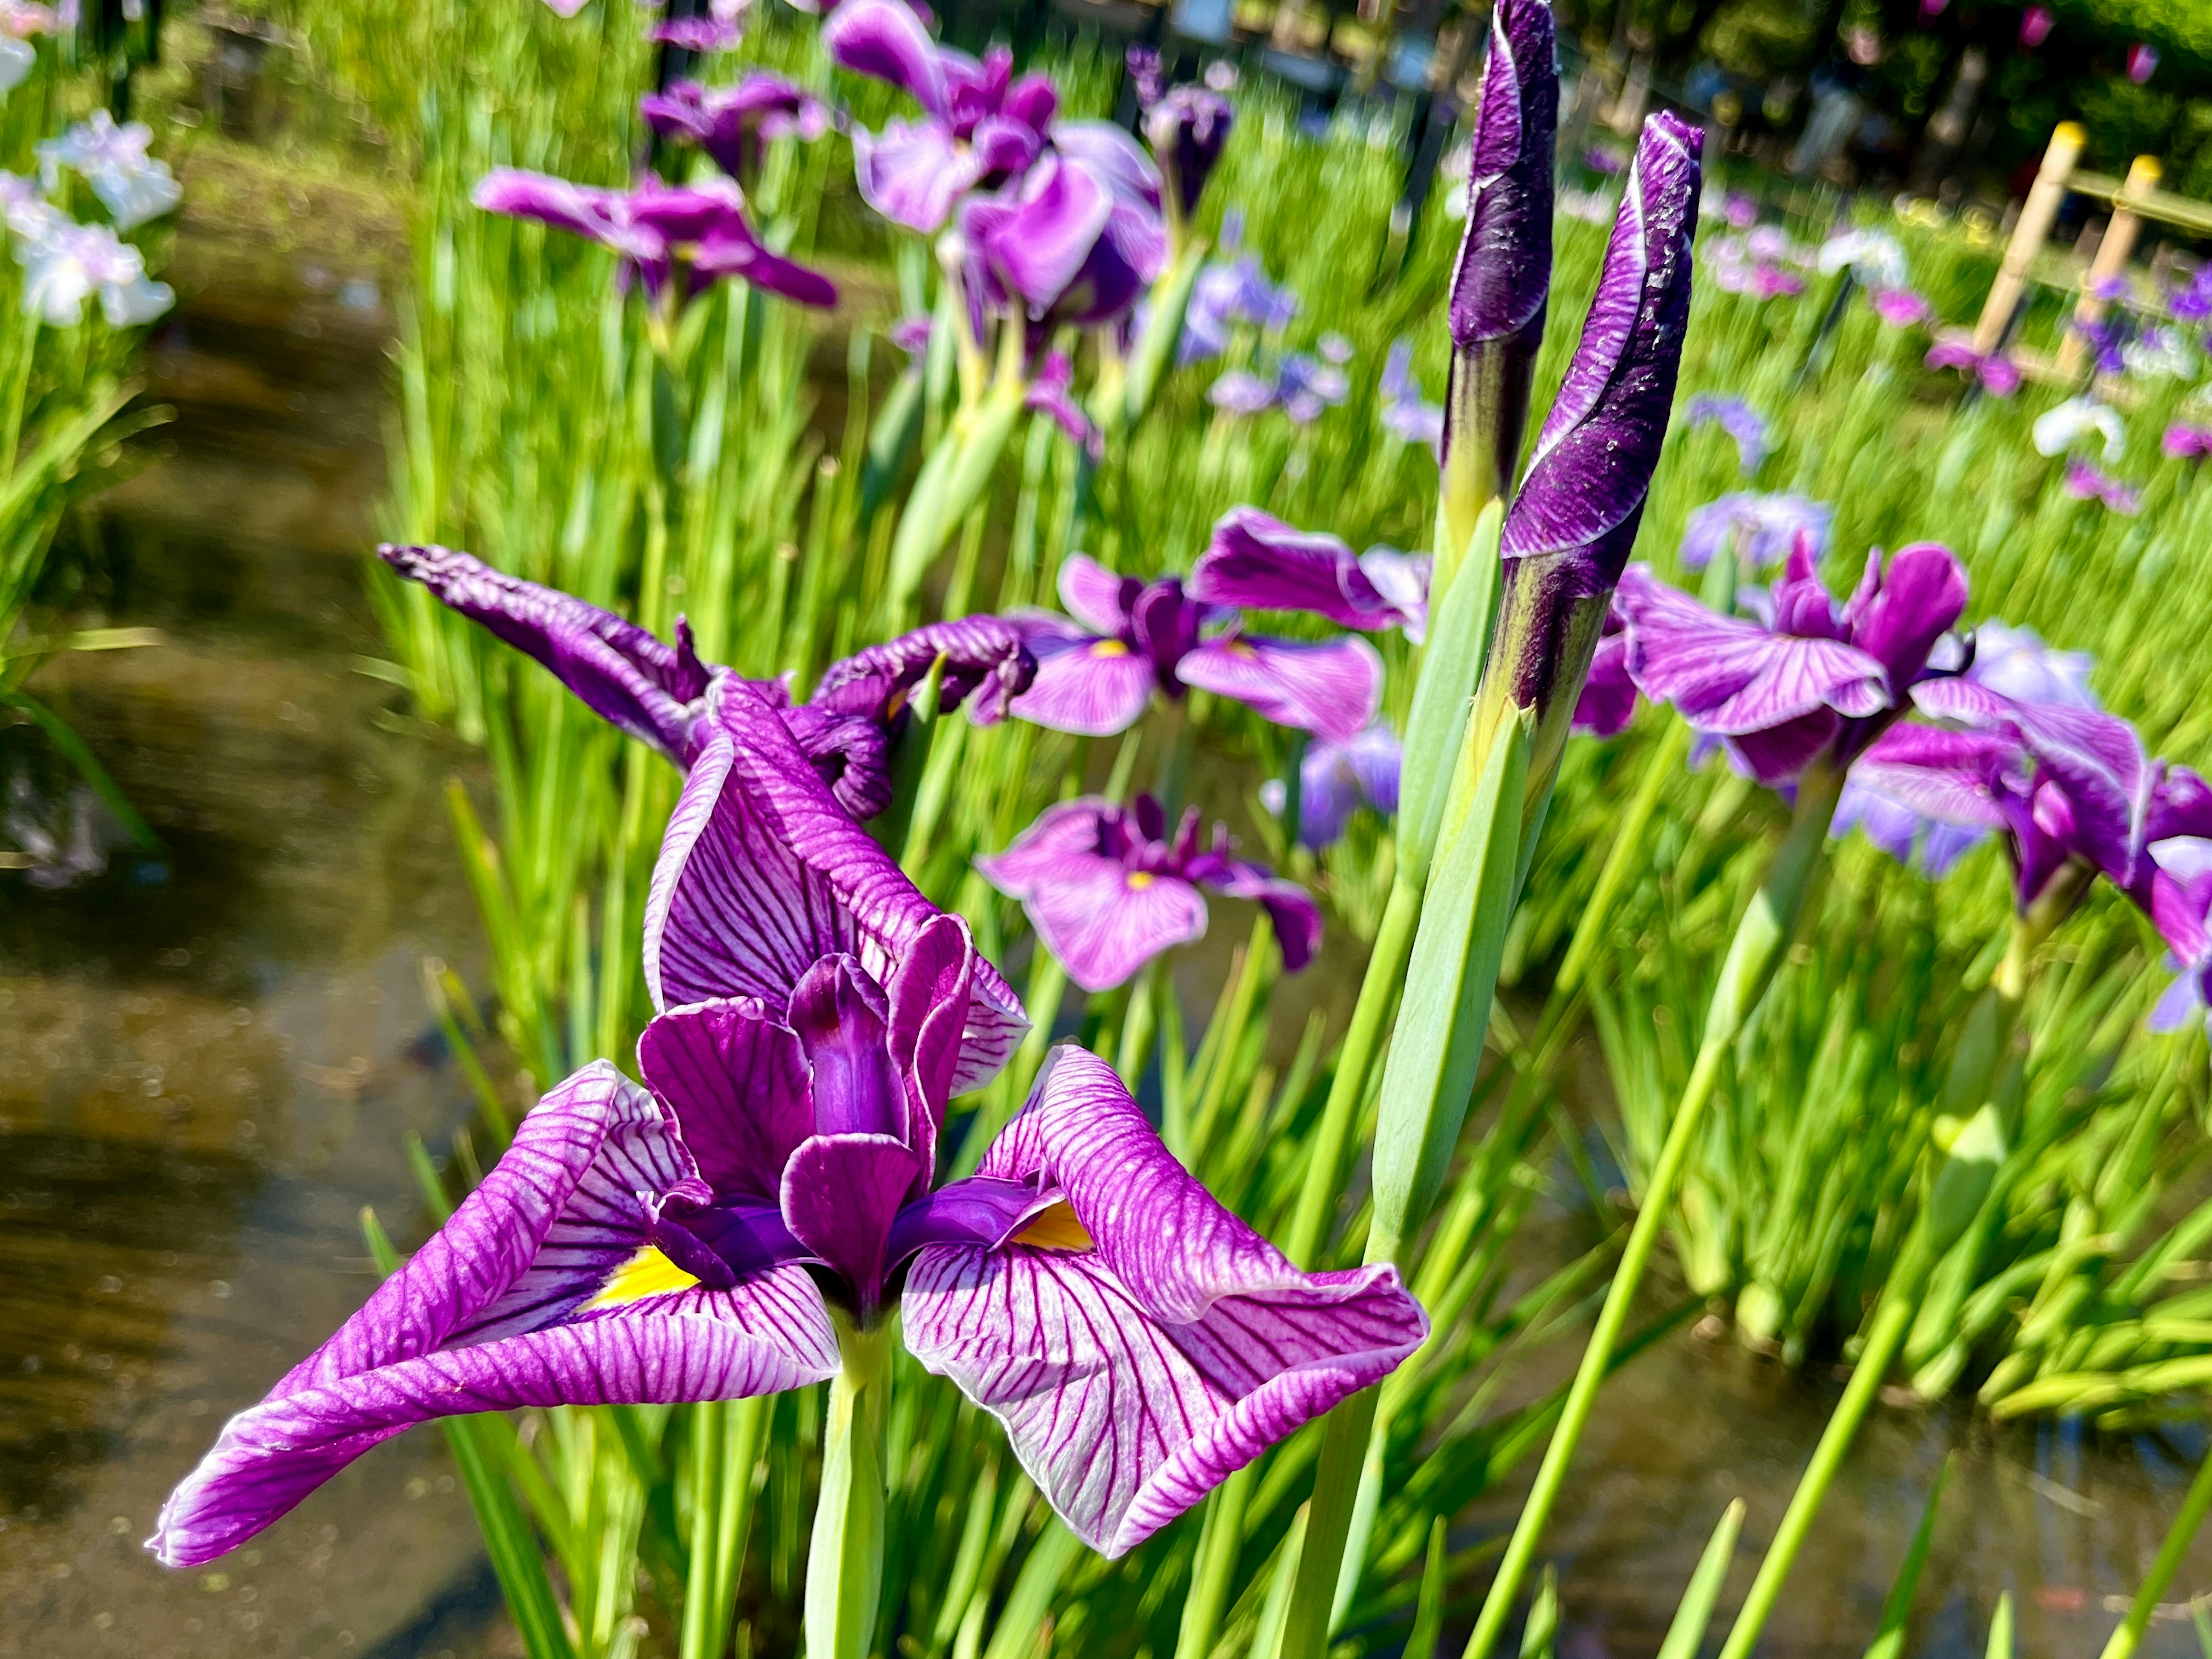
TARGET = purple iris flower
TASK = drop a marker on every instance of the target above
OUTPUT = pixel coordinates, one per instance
(1502, 282)
(659, 693)
(1815, 683)
(2193, 304)
(1569, 531)
(731, 124)
(1758, 530)
(1228, 292)
(1076, 240)
(689, 1239)
(1607, 702)
(1240, 391)
(700, 34)
(686, 236)
(1745, 424)
(980, 128)
(1097, 674)
(1900, 308)
(1998, 373)
(1257, 562)
(1406, 413)
(1309, 386)
(1107, 889)
(1187, 128)
(1336, 778)
(2185, 442)
(2087, 482)
(2174, 887)
(1752, 266)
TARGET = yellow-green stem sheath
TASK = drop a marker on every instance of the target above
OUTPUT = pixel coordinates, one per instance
(845, 1556)
(2178, 1537)
(1759, 938)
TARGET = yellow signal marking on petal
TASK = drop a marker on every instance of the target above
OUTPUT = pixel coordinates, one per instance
(1140, 880)
(647, 1273)
(1056, 1229)
(1109, 648)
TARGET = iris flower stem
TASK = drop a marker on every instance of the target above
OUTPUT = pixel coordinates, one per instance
(1219, 1542)
(1759, 940)
(845, 1556)
(953, 479)
(2186, 1524)
(19, 387)
(699, 1640)
(1134, 1052)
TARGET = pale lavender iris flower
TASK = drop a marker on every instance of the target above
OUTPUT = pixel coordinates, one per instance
(659, 693)
(1095, 674)
(1335, 779)
(1406, 413)
(1812, 682)
(980, 128)
(1228, 292)
(1743, 423)
(671, 238)
(1757, 529)
(1108, 888)
(731, 124)
(689, 1239)
(1256, 561)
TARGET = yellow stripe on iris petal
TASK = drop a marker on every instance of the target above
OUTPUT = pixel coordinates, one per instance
(1056, 1229)
(647, 1273)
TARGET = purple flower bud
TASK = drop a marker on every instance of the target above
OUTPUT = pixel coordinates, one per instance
(1504, 279)
(1569, 530)
(1188, 127)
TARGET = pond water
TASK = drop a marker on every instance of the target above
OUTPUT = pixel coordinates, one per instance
(209, 1060)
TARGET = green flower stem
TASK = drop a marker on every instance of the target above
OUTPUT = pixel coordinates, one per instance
(1218, 1543)
(1134, 1051)
(1378, 991)
(845, 1557)
(2178, 1537)
(1758, 939)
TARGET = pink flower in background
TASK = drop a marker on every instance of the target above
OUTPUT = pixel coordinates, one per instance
(1900, 308)
(2034, 25)
(2085, 483)
(2185, 442)
(1998, 373)
(2143, 62)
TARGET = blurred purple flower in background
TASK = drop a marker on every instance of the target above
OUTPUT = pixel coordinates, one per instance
(1901, 307)
(2086, 483)
(1107, 889)
(731, 124)
(1998, 374)
(1760, 530)
(2187, 442)
(1336, 778)
(1404, 412)
(1228, 292)
(1257, 562)
(700, 34)
(1745, 424)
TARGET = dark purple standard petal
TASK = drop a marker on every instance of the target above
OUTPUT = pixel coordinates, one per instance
(1187, 128)
(762, 874)
(547, 1287)
(1141, 1344)
(624, 675)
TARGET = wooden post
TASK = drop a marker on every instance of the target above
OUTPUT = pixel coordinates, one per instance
(2112, 261)
(2027, 236)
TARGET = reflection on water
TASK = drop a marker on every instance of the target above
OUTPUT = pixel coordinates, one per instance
(208, 1064)
(209, 1060)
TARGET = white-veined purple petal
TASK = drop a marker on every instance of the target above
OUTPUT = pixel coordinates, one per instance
(1092, 687)
(1333, 688)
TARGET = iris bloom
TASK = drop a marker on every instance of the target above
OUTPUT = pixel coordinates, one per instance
(2185, 442)
(1228, 292)
(1998, 374)
(1901, 307)
(707, 1235)
(731, 124)
(1745, 424)
(700, 34)
(1256, 561)
(1336, 778)
(1758, 530)
(2174, 886)
(980, 127)
(1811, 682)
(1107, 889)
(1187, 128)
(2064, 425)
(2085, 483)
(66, 263)
(674, 239)
(1127, 640)
(1076, 240)
(659, 693)
(133, 185)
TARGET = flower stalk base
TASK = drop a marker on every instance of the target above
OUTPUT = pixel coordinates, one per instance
(845, 1557)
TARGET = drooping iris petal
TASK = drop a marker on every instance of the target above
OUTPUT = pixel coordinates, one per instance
(1085, 684)
(986, 665)
(624, 675)
(1608, 702)
(762, 874)
(1257, 561)
(735, 1076)
(1291, 910)
(731, 249)
(1333, 688)
(1150, 1344)
(542, 1290)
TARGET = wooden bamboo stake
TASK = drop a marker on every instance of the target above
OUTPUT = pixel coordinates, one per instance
(2028, 235)
(2112, 255)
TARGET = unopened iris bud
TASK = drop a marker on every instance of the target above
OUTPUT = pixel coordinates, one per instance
(1503, 283)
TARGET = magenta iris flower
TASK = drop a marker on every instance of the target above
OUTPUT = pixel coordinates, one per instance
(979, 129)
(2185, 442)
(2087, 482)
(687, 1240)
(2174, 887)
(659, 693)
(1129, 639)
(1335, 779)
(1760, 530)
(1077, 240)
(686, 236)
(1256, 561)
(1998, 374)
(731, 124)
(1812, 682)
(1107, 889)
(1901, 307)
